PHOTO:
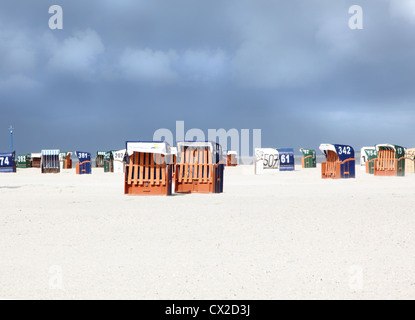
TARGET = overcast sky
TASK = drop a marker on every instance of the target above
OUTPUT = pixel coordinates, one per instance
(119, 70)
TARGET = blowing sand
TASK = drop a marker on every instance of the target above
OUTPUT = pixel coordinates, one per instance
(286, 235)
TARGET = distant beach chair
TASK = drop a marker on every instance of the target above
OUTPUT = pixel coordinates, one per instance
(99, 161)
(24, 161)
(410, 160)
(119, 161)
(148, 170)
(266, 158)
(50, 161)
(286, 158)
(84, 164)
(309, 159)
(340, 162)
(231, 160)
(199, 167)
(390, 160)
(8, 162)
(368, 156)
(109, 161)
(36, 160)
(65, 160)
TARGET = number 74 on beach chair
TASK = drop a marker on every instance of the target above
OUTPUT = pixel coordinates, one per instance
(340, 162)
(7, 162)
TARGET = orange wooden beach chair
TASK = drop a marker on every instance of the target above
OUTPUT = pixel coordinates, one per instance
(231, 160)
(390, 160)
(199, 167)
(148, 170)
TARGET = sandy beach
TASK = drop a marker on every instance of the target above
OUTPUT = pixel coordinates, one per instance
(283, 235)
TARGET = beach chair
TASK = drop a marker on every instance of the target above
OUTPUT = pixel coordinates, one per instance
(36, 160)
(50, 161)
(340, 162)
(199, 167)
(410, 161)
(286, 158)
(109, 161)
(368, 156)
(65, 160)
(309, 159)
(7, 162)
(148, 170)
(99, 161)
(24, 161)
(390, 160)
(119, 161)
(84, 164)
(231, 160)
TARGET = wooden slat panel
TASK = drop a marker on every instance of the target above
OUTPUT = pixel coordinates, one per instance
(163, 175)
(141, 169)
(130, 169)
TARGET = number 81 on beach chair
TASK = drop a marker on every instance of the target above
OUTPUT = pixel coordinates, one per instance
(7, 162)
(148, 170)
(340, 162)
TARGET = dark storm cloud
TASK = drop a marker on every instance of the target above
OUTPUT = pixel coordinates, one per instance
(122, 69)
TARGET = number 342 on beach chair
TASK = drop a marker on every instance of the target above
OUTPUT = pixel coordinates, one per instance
(148, 170)
(340, 163)
(199, 167)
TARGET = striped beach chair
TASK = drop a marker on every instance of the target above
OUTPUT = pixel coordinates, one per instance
(50, 161)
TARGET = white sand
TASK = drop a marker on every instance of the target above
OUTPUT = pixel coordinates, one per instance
(282, 235)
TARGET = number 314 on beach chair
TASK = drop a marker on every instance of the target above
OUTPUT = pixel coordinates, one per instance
(199, 167)
(148, 170)
(340, 163)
